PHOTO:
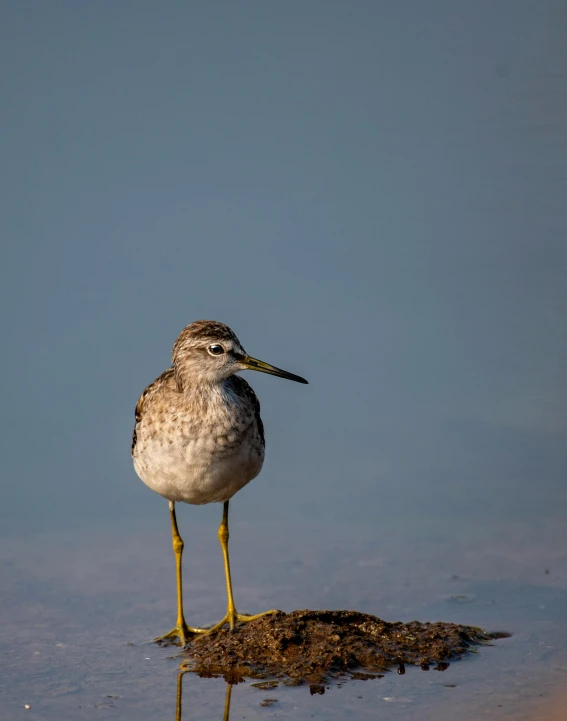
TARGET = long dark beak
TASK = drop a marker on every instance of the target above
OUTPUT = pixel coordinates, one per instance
(254, 364)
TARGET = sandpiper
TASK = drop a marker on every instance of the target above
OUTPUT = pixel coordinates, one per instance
(199, 438)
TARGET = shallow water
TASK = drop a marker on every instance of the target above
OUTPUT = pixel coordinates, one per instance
(76, 616)
(373, 196)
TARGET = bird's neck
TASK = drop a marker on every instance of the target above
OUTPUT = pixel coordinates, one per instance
(204, 395)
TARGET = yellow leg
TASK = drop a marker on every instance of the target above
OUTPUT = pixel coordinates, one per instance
(182, 631)
(232, 617)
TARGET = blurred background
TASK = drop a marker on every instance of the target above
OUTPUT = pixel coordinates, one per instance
(372, 195)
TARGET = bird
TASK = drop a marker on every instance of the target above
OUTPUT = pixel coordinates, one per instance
(198, 438)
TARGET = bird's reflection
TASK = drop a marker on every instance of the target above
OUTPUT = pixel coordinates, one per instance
(313, 688)
(179, 698)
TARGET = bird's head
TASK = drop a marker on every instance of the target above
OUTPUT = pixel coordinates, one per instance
(208, 352)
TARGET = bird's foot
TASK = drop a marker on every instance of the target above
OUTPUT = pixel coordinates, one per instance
(232, 618)
(181, 635)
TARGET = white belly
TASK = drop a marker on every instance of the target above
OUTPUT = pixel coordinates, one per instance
(197, 471)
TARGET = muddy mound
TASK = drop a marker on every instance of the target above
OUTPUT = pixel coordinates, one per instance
(316, 646)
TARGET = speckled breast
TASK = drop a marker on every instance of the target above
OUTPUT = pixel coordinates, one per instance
(198, 462)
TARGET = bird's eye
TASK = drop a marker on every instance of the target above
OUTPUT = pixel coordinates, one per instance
(215, 349)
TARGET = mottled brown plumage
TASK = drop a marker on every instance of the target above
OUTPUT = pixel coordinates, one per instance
(198, 436)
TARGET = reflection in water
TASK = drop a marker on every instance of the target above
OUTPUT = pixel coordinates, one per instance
(179, 698)
(314, 689)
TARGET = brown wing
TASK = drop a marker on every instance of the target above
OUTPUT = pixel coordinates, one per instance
(243, 389)
(163, 378)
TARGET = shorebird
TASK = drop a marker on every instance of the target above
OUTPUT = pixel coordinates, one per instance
(199, 438)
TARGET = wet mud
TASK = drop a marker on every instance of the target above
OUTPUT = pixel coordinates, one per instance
(315, 647)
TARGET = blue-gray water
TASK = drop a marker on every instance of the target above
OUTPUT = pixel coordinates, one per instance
(373, 196)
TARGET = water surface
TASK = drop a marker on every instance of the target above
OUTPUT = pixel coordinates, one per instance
(372, 195)
(77, 614)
